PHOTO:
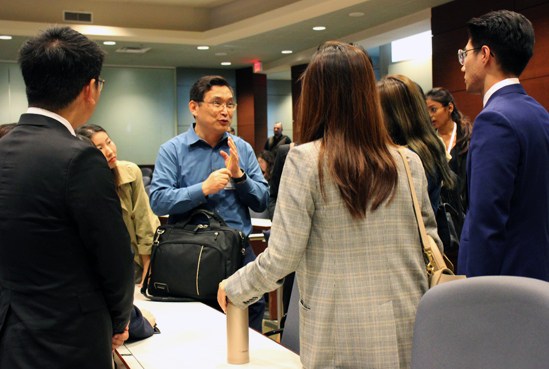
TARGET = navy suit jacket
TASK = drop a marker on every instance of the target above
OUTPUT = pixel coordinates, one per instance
(506, 231)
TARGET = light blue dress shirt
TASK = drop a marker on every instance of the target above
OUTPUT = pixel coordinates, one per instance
(186, 161)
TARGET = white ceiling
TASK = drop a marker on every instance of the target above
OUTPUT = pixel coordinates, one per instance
(245, 30)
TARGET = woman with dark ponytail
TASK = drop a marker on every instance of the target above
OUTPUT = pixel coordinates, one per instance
(455, 131)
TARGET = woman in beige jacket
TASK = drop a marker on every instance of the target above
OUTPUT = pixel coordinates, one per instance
(136, 211)
(344, 221)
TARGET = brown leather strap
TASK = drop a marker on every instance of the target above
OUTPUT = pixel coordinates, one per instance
(430, 248)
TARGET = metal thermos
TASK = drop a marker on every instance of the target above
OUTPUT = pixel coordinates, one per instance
(237, 335)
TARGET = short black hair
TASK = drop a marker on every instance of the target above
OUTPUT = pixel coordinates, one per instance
(509, 35)
(205, 84)
(56, 65)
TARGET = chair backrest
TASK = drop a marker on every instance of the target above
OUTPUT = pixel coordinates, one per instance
(290, 336)
(148, 190)
(147, 172)
(263, 215)
(483, 322)
(146, 181)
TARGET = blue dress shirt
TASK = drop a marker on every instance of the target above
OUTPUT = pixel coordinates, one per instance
(186, 161)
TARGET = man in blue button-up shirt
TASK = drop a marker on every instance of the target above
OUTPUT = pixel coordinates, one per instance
(206, 167)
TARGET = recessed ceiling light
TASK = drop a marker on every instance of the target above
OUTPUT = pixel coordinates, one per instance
(5, 37)
(203, 47)
(226, 63)
(286, 51)
(220, 54)
(109, 43)
(356, 14)
(319, 28)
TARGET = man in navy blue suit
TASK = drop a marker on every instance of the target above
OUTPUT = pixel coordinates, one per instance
(506, 231)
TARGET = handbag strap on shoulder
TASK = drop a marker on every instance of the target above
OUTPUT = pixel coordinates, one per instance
(432, 253)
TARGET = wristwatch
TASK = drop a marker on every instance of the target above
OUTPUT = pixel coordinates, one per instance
(240, 179)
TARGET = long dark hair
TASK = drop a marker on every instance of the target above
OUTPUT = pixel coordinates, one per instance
(445, 98)
(269, 159)
(339, 106)
(89, 130)
(409, 123)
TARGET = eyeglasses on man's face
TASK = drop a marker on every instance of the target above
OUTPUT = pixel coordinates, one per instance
(462, 54)
(101, 83)
(217, 106)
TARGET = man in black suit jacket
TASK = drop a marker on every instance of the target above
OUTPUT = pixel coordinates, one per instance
(66, 269)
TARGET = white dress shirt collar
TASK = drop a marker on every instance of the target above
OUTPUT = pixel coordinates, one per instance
(497, 86)
(52, 115)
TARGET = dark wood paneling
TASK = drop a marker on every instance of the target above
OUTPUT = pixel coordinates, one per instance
(538, 66)
(537, 88)
(469, 105)
(251, 96)
(446, 68)
(296, 72)
(260, 111)
(520, 5)
(245, 101)
(455, 14)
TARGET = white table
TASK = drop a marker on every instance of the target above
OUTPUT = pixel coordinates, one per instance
(194, 335)
(258, 222)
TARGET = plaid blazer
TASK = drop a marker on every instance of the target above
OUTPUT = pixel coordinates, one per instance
(360, 280)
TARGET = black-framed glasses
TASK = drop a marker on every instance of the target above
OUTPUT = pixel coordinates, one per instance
(462, 54)
(101, 83)
(216, 105)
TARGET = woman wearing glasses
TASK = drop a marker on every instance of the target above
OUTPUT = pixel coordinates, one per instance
(344, 221)
(136, 211)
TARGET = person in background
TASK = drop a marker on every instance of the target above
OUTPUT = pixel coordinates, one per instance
(455, 131)
(66, 274)
(409, 124)
(266, 161)
(506, 231)
(274, 142)
(140, 221)
(208, 168)
(230, 129)
(6, 128)
(338, 221)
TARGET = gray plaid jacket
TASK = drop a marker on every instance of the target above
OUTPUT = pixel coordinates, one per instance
(360, 279)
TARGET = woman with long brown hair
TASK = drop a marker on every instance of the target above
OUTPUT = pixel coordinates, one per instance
(409, 124)
(344, 221)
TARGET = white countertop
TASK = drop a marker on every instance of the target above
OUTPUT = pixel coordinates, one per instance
(194, 335)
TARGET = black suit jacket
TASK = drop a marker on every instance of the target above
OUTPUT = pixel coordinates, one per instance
(66, 268)
(276, 174)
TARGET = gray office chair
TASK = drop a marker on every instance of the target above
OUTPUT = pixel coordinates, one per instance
(146, 181)
(484, 322)
(147, 172)
(290, 335)
(263, 215)
(148, 190)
